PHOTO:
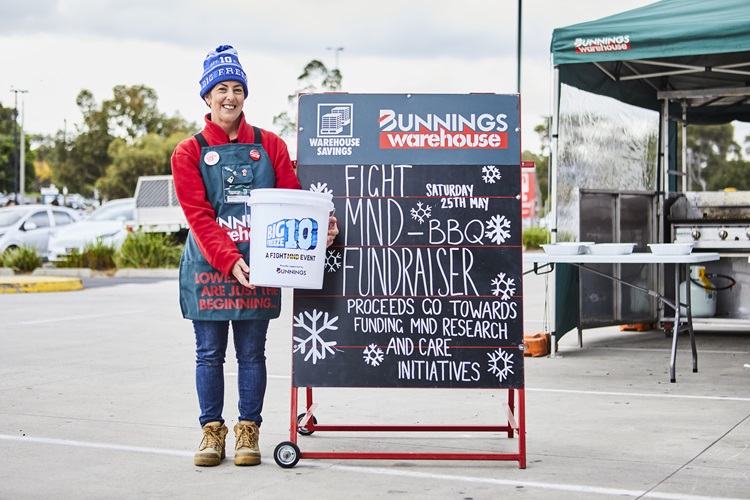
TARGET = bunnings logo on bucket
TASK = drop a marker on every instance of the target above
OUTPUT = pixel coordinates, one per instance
(295, 234)
(297, 272)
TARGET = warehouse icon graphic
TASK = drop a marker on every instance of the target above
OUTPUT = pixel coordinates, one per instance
(335, 120)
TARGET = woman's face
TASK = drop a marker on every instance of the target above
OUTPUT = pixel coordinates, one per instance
(226, 100)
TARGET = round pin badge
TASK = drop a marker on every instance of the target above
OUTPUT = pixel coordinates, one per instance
(211, 158)
(255, 154)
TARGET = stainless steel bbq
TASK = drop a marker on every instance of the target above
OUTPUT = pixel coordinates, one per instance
(719, 221)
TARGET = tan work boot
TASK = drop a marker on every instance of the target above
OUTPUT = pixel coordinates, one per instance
(246, 450)
(212, 448)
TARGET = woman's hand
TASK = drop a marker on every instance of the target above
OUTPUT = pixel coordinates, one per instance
(240, 271)
(333, 230)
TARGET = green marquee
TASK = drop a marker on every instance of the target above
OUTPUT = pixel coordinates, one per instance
(691, 51)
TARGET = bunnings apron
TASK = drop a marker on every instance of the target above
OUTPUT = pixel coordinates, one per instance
(230, 172)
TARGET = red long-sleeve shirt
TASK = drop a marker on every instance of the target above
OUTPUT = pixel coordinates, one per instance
(214, 243)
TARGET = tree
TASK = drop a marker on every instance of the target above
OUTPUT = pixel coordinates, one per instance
(732, 174)
(132, 111)
(84, 159)
(7, 150)
(8, 139)
(314, 78)
(42, 174)
(147, 155)
(541, 162)
(115, 135)
(714, 159)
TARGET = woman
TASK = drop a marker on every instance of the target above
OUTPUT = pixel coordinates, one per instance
(214, 172)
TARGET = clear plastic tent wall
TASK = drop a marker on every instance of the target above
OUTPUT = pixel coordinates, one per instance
(603, 144)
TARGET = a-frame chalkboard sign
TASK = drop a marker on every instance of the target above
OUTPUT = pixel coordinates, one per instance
(423, 285)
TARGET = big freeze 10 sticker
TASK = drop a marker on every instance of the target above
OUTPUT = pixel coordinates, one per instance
(299, 234)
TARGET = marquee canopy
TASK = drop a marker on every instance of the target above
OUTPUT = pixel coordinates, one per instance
(693, 52)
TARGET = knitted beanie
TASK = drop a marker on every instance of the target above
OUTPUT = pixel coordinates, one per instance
(222, 65)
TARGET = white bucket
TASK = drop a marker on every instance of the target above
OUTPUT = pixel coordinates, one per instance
(288, 234)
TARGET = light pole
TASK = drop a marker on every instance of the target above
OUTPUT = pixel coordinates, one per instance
(22, 156)
(518, 47)
(336, 51)
(19, 160)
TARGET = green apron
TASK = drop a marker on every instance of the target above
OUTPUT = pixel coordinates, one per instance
(230, 172)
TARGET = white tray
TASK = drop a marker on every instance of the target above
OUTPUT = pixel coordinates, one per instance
(671, 248)
(610, 248)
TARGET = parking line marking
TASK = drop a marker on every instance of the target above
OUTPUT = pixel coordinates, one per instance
(102, 446)
(576, 488)
(664, 349)
(526, 484)
(76, 318)
(640, 394)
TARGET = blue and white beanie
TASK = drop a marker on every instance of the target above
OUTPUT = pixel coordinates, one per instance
(222, 65)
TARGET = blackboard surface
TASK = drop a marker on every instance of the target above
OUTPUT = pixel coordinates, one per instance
(423, 285)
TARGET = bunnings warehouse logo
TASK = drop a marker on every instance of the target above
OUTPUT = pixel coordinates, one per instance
(442, 131)
(602, 44)
(291, 234)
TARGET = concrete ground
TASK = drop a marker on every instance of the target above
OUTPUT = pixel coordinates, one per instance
(97, 400)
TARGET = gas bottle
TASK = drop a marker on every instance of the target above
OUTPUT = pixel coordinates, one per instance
(702, 294)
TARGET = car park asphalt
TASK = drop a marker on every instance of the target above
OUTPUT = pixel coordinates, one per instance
(97, 400)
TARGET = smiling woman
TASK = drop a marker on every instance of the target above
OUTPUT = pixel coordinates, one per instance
(214, 173)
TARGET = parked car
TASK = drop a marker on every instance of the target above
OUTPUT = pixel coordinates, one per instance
(33, 225)
(107, 224)
(78, 202)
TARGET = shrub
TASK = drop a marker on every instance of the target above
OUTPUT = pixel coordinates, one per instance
(22, 260)
(533, 237)
(96, 256)
(148, 251)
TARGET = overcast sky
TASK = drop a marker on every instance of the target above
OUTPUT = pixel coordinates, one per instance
(55, 48)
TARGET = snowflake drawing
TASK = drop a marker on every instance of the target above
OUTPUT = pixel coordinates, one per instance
(490, 174)
(421, 212)
(314, 344)
(498, 358)
(333, 261)
(373, 355)
(320, 187)
(503, 286)
(498, 229)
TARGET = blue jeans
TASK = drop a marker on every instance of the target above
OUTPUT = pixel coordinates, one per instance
(211, 339)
